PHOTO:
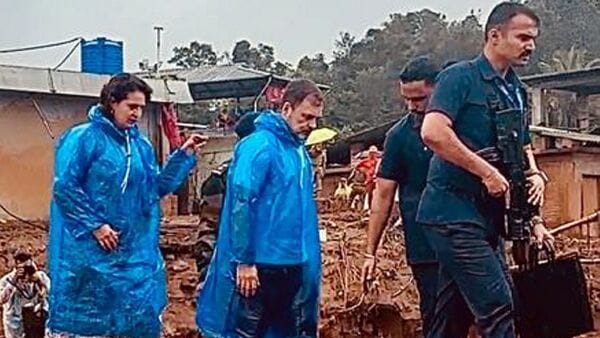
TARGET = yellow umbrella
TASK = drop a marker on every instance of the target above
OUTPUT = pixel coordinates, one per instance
(320, 135)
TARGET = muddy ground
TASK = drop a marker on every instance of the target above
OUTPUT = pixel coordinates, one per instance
(389, 310)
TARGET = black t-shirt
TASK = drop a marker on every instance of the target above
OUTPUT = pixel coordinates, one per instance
(452, 194)
(406, 161)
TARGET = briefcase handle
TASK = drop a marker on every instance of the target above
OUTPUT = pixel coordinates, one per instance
(539, 255)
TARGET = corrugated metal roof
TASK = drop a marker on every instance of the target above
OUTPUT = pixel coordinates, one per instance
(566, 134)
(225, 81)
(584, 81)
(216, 82)
(218, 73)
(223, 73)
(41, 80)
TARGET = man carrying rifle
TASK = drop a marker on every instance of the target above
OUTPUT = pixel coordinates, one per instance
(476, 119)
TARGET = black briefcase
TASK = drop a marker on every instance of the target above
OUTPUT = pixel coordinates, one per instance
(553, 300)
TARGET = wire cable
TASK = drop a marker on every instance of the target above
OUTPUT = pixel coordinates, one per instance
(68, 55)
(48, 45)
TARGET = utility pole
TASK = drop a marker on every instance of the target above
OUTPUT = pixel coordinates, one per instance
(158, 30)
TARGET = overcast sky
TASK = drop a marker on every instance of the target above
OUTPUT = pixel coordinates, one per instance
(294, 27)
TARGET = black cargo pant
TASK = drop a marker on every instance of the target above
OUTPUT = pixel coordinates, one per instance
(272, 308)
(473, 282)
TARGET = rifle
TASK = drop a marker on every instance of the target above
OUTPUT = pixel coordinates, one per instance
(520, 214)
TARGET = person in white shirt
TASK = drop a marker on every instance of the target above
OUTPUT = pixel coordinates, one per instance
(23, 297)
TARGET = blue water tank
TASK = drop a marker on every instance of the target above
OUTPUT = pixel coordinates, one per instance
(102, 56)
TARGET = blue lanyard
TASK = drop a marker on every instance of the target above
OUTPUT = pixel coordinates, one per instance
(519, 102)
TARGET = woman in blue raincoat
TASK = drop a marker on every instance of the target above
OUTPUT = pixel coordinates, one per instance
(264, 277)
(108, 276)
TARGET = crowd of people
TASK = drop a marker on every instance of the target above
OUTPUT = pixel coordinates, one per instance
(264, 276)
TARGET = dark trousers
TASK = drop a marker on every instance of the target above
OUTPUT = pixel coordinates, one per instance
(426, 277)
(272, 308)
(34, 323)
(473, 282)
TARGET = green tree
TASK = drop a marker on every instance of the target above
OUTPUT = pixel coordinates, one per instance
(242, 52)
(282, 68)
(364, 71)
(564, 24)
(343, 45)
(566, 60)
(261, 57)
(197, 54)
(314, 68)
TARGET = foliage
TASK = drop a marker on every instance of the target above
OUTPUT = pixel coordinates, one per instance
(362, 72)
(196, 55)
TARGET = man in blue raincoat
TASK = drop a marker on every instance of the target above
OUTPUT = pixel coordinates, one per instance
(104, 259)
(264, 277)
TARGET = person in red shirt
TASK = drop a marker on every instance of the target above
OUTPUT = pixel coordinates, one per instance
(368, 167)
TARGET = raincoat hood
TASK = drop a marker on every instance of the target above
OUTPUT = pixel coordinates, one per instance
(97, 116)
(279, 126)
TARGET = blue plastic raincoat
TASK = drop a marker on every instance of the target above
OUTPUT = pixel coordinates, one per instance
(269, 217)
(104, 175)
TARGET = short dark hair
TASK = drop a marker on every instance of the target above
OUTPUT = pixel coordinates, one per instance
(421, 68)
(245, 125)
(504, 12)
(119, 86)
(21, 256)
(299, 90)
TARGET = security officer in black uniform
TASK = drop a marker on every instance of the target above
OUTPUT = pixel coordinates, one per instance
(455, 207)
(404, 168)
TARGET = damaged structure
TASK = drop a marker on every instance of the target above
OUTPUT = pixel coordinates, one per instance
(36, 106)
(565, 109)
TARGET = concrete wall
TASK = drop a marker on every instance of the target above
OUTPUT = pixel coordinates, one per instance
(27, 149)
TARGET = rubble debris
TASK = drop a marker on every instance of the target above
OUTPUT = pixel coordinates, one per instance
(389, 309)
(180, 266)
